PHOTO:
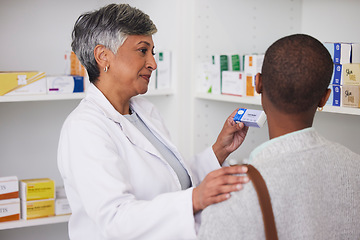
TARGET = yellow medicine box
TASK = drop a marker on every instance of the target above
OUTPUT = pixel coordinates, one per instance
(35, 189)
(18, 83)
(37, 209)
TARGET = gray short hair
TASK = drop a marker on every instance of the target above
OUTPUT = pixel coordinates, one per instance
(108, 26)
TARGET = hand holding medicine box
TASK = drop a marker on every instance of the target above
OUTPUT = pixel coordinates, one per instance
(250, 117)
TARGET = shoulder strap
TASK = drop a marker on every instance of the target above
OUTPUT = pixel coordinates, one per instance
(265, 202)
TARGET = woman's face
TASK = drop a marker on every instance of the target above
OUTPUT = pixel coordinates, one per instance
(133, 64)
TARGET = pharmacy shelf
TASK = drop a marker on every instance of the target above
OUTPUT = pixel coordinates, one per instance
(257, 101)
(34, 222)
(48, 97)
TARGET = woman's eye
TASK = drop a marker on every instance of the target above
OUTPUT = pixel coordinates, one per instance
(143, 50)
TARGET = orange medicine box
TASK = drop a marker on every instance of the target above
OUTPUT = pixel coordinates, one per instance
(9, 187)
(9, 210)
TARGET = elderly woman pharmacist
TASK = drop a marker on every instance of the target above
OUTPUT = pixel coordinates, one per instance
(123, 177)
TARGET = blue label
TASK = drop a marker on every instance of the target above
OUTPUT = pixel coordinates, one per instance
(337, 74)
(336, 96)
(78, 84)
(337, 53)
(240, 113)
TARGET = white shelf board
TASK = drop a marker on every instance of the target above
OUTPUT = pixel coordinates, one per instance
(34, 222)
(42, 97)
(257, 101)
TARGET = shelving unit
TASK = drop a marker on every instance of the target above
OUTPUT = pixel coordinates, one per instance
(257, 101)
(34, 222)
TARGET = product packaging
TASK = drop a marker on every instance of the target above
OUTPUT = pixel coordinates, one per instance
(351, 74)
(250, 117)
(22, 83)
(340, 52)
(163, 71)
(335, 96)
(9, 210)
(35, 189)
(62, 206)
(350, 96)
(37, 208)
(233, 83)
(221, 64)
(9, 187)
(65, 84)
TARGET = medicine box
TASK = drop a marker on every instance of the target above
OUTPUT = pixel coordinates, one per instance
(351, 74)
(335, 96)
(350, 96)
(340, 52)
(250, 117)
(235, 62)
(206, 75)
(163, 71)
(65, 84)
(9, 187)
(221, 64)
(249, 85)
(62, 206)
(253, 63)
(355, 52)
(337, 76)
(37, 208)
(233, 83)
(22, 83)
(9, 210)
(35, 189)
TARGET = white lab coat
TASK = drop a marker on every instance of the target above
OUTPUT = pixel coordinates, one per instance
(117, 183)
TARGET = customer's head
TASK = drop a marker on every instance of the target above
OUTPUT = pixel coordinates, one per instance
(109, 26)
(296, 73)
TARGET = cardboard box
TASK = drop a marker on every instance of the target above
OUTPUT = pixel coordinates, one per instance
(337, 76)
(9, 210)
(9, 187)
(351, 74)
(37, 208)
(62, 206)
(22, 83)
(35, 189)
(235, 62)
(350, 96)
(221, 64)
(335, 96)
(64, 84)
(340, 52)
(355, 53)
(253, 63)
(233, 83)
(163, 71)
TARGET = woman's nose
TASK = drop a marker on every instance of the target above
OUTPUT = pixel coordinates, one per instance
(151, 63)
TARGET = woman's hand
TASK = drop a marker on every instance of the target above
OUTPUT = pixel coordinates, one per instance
(217, 185)
(230, 138)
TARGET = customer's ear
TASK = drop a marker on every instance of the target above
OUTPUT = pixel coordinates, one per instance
(325, 97)
(258, 83)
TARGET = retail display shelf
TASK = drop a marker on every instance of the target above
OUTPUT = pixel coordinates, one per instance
(257, 101)
(49, 97)
(34, 222)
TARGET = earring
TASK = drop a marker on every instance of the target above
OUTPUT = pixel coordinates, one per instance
(106, 69)
(320, 109)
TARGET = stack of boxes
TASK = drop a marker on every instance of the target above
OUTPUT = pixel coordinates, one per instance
(37, 198)
(345, 82)
(9, 199)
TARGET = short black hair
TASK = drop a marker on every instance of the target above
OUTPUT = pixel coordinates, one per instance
(296, 72)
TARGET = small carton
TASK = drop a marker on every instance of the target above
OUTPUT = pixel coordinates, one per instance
(163, 71)
(253, 63)
(337, 76)
(22, 83)
(250, 117)
(35, 189)
(249, 85)
(9, 187)
(350, 96)
(351, 74)
(37, 208)
(233, 83)
(335, 96)
(235, 62)
(340, 52)
(355, 53)
(9, 210)
(64, 84)
(221, 64)
(62, 206)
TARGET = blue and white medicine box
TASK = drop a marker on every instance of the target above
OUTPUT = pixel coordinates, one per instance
(250, 117)
(65, 84)
(335, 96)
(340, 52)
(337, 77)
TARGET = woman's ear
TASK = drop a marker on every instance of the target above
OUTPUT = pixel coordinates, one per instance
(325, 97)
(258, 83)
(101, 56)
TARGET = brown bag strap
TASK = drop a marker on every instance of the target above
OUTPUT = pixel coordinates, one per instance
(265, 202)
